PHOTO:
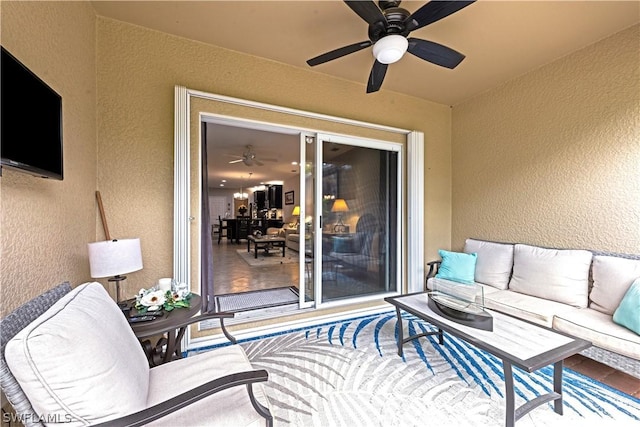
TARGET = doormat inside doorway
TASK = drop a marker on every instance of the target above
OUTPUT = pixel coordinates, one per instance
(254, 300)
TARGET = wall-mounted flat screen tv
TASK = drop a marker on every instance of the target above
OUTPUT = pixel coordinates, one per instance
(31, 121)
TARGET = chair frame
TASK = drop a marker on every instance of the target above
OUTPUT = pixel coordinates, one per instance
(12, 324)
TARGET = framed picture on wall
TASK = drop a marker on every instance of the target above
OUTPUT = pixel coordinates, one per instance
(288, 198)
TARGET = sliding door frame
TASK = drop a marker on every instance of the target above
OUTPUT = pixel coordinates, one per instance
(184, 218)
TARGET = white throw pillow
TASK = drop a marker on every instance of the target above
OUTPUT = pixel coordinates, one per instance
(494, 262)
(560, 275)
(612, 277)
(79, 363)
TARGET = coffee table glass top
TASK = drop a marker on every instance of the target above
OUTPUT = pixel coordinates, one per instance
(266, 238)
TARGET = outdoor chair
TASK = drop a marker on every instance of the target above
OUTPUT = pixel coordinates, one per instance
(69, 356)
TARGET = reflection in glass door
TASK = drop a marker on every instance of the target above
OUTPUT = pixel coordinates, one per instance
(357, 235)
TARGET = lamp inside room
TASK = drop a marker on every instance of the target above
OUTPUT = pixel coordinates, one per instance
(296, 213)
(339, 206)
(113, 258)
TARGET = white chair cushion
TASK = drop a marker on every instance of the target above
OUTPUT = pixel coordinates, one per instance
(600, 329)
(230, 407)
(494, 262)
(554, 274)
(79, 363)
(612, 277)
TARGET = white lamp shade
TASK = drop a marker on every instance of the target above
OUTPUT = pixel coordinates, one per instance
(390, 49)
(113, 257)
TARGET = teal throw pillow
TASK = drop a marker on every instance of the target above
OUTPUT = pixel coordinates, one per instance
(628, 312)
(458, 267)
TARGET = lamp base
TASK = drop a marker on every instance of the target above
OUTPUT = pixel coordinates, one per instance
(118, 278)
(340, 227)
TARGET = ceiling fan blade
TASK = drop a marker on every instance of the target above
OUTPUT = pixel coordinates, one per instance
(376, 76)
(338, 53)
(432, 12)
(368, 11)
(434, 53)
(258, 162)
(236, 161)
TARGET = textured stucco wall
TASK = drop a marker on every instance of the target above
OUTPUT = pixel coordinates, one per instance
(553, 157)
(45, 225)
(137, 71)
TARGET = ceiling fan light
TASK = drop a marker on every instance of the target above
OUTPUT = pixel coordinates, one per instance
(390, 49)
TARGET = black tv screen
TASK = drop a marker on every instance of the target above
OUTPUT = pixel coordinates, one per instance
(31, 121)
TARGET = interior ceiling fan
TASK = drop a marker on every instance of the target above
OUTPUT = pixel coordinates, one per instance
(389, 27)
(249, 158)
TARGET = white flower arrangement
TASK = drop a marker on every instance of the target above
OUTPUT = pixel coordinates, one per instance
(154, 299)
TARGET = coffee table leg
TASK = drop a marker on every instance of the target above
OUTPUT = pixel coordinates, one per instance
(283, 249)
(399, 329)
(255, 250)
(510, 414)
(557, 386)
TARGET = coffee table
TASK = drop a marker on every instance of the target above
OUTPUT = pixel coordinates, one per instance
(264, 242)
(516, 342)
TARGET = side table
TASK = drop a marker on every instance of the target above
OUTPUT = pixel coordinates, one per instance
(171, 326)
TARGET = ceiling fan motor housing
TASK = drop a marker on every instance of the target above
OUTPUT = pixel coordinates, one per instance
(395, 23)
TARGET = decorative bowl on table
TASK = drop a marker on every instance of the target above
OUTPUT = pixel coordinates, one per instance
(460, 303)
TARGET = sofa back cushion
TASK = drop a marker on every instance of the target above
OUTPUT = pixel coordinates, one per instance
(494, 262)
(612, 277)
(79, 363)
(560, 275)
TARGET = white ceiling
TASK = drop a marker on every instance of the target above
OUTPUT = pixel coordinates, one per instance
(501, 39)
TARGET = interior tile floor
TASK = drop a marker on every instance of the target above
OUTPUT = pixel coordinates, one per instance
(233, 275)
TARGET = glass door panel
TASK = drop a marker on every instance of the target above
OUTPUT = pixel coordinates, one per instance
(359, 211)
(307, 219)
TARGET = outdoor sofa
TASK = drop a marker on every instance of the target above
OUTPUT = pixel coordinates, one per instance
(573, 291)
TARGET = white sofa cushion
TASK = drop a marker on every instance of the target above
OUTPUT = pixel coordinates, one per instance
(554, 274)
(533, 309)
(612, 277)
(600, 329)
(170, 379)
(105, 376)
(494, 262)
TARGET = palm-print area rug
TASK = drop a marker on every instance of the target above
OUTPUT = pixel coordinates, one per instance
(349, 374)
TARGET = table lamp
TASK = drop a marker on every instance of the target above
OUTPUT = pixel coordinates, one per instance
(339, 206)
(296, 213)
(113, 258)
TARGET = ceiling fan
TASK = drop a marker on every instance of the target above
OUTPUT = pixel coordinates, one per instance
(389, 26)
(249, 158)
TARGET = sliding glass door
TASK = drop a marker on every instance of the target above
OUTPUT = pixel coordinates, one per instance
(352, 221)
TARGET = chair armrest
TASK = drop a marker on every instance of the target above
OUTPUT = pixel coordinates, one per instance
(187, 398)
(433, 268)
